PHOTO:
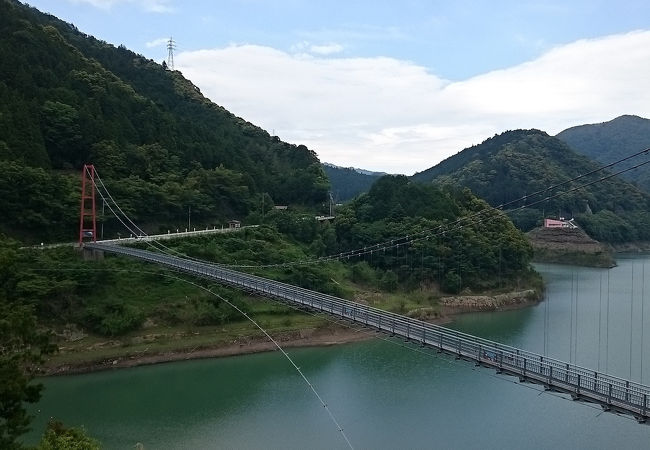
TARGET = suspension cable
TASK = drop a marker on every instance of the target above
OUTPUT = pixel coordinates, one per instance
(631, 316)
(600, 320)
(642, 313)
(438, 230)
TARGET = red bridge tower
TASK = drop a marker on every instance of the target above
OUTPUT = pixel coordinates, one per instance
(88, 212)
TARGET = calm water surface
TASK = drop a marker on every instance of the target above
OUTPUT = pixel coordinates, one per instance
(385, 395)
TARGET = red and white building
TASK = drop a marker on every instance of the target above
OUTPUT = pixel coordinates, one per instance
(552, 223)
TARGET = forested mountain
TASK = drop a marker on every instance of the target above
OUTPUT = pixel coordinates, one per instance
(518, 163)
(610, 141)
(348, 182)
(473, 253)
(161, 147)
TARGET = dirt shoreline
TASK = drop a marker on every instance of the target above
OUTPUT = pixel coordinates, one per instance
(322, 337)
(307, 338)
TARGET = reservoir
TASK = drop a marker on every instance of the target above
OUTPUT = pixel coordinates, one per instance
(385, 393)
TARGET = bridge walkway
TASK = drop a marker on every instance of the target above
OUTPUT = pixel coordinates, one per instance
(612, 393)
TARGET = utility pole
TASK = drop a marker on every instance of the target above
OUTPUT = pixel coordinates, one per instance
(189, 216)
(171, 46)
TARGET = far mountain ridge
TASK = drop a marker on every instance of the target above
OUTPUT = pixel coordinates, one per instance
(515, 164)
(610, 141)
(372, 173)
(348, 182)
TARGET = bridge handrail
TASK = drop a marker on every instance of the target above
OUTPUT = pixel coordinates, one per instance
(465, 343)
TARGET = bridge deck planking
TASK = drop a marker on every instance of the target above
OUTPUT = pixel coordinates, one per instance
(613, 393)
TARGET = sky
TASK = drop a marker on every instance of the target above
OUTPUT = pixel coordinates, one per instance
(393, 86)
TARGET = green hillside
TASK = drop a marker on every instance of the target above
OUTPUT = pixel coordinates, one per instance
(161, 146)
(479, 254)
(517, 163)
(610, 141)
(348, 182)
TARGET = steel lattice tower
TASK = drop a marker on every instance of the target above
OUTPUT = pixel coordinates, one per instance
(171, 46)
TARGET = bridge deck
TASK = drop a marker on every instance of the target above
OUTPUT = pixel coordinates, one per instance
(613, 393)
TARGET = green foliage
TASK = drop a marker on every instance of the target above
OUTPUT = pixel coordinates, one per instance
(483, 253)
(22, 347)
(610, 141)
(213, 311)
(389, 281)
(347, 183)
(516, 164)
(59, 437)
(452, 282)
(526, 219)
(37, 202)
(112, 318)
(622, 227)
(363, 273)
(160, 146)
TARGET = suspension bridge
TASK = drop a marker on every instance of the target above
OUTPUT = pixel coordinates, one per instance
(615, 394)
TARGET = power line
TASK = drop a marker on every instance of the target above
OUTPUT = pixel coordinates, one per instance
(440, 230)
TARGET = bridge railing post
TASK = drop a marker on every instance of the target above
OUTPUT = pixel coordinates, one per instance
(609, 394)
(525, 360)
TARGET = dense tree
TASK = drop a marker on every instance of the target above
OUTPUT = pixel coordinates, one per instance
(347, 183)
(22, 346)
(59, 437)
(480, 252)
(70, 99)
(517, 164)
(610, 141)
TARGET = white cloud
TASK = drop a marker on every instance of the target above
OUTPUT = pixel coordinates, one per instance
(395, 116)
(157, 42)
(157, 6)
(305, 48)
(326, 49)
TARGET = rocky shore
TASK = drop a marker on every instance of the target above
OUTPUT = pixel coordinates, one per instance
(569, 246)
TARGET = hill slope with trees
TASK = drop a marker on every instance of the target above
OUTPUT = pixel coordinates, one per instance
(517, 163)
(70, 99)
(348, 182)
(610, 141)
